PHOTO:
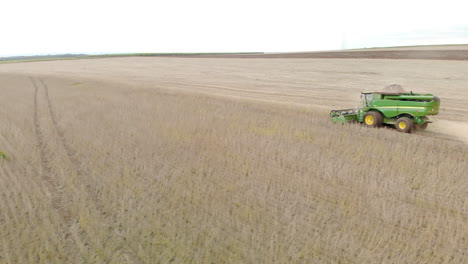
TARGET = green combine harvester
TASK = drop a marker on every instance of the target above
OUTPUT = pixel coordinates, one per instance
(406, 111)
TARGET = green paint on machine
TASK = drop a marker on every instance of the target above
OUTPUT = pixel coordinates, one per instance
(407, 111)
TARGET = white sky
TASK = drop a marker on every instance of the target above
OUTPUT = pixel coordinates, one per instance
(100, 26)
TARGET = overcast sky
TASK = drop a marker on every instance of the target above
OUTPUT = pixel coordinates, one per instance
(99, 26)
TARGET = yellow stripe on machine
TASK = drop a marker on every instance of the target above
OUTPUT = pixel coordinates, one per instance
(413, 107)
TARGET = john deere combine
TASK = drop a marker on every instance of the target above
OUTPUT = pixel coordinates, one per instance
(406, 111)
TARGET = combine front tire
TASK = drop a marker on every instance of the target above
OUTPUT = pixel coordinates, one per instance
(373, 119)
(404, 124)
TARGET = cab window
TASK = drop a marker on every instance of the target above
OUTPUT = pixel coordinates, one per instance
(368, 99)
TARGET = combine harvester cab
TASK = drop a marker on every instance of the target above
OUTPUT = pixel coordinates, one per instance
(406, 111)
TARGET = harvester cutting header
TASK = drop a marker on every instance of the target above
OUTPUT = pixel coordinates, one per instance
(393, 106)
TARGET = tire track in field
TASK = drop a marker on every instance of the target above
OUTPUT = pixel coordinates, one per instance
(88, 183)
(70, 152)
(51, 178)
(47, 174)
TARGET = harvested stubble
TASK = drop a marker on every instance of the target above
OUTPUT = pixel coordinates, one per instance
(126, 175)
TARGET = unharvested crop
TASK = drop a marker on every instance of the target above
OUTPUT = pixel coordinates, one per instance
(154, 160)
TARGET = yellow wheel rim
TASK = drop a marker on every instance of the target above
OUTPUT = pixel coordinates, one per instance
(402, 125)
(369, 120)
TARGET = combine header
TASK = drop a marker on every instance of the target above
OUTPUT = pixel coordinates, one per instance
(406, 111)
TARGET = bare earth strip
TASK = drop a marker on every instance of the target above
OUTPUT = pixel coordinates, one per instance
(184, 160)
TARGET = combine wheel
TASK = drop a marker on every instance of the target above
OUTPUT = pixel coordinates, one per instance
(373, 119)
(404, 124)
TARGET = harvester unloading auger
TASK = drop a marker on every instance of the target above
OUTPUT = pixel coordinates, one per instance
(393, 106)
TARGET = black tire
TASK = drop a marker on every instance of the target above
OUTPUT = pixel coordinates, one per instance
(404, 124)
(373, 119)
(422, 127)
